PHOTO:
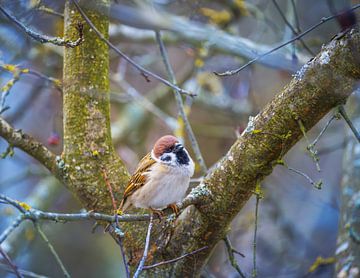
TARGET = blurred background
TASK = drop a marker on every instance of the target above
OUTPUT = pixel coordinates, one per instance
(297, 223)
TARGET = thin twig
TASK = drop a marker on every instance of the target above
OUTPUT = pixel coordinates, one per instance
(295, 32)
(50, 11)
(231, 251)
(258, 197)
(52, 250)
(10, 263)
(323, 20)
(309, 148)
(317, 185)
(324, 129)
(144, 102)
(11, 228)
(108, 184)
(297, 21)
(13, 69)
(23, 272)
(44, 38)
(34, 214)
(147, 267)
(349, 122)
(141, 69)
(119, 237)
(180, 105)
(146, 249)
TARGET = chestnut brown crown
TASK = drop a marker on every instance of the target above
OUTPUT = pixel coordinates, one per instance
(163, 144)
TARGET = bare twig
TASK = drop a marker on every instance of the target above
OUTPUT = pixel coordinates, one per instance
(312, 145)
(43, 8)
(317, 185)
(43, 38)
(23, 272)
(144, 102)
(323, 20)
(231, 251)
(11, 228)
(34, 214)
(143, 23)
(141, 69)
(28, 144)
(10, 263)
(5, 90)
(309, 148)
(349, 122)
(146, 249)
(180, 105)
(146, 267)
(258, 195)
(52, 250)
(14, 69)
(118, 236)
(295, 32)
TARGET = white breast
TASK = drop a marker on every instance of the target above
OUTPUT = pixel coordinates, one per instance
(166, 185)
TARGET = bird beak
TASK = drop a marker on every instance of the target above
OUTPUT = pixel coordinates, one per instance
(178, 147)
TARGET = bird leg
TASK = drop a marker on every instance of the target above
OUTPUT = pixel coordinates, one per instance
(158, 213)
(174, 208)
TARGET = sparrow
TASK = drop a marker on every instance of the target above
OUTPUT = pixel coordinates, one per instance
(161, 178)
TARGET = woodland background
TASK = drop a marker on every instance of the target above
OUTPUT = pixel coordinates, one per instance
(297, 223)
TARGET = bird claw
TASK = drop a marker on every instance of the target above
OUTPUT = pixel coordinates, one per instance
(158, 213)
(174, 208)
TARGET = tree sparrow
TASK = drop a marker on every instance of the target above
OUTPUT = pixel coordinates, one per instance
(161, 178)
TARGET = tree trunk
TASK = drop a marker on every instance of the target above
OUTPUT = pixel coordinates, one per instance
(89, 155)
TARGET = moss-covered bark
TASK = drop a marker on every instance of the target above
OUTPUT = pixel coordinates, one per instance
(319, 86)
(88, 152)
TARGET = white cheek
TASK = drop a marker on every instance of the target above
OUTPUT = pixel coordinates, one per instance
(171, 161)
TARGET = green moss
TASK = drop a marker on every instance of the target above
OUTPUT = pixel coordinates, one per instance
(86, 105)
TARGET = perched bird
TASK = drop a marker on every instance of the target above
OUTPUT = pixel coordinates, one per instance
(161, 178)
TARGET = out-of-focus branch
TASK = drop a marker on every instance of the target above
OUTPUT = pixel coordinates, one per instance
(43, 38)
(348, 239)
(10, 263)
(19, 139)
(52, 249)
(198, 33)
(15, 69)
(299, 36)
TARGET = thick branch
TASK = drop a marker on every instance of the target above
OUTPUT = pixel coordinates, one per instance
(18, 139)
(320, 85)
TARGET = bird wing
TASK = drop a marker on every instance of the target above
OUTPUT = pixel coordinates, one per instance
(138, 179)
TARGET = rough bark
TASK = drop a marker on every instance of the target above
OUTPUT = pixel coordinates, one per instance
(89, 155)
(348, 251)
(319, 86)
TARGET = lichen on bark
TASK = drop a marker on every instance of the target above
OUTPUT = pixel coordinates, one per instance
(88, 151)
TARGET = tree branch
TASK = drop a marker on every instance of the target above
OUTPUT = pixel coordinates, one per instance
(26, 143)
(322, 84)
(43, 38)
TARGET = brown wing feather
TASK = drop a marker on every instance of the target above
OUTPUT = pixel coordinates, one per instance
(138, 179)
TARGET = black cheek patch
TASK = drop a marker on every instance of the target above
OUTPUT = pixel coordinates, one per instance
(182, 158)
